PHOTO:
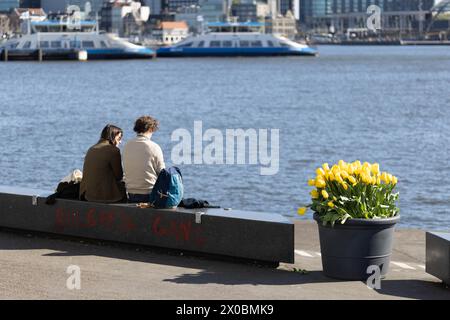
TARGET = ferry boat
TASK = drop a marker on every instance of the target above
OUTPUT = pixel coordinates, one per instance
(59, 40)
(236, 39)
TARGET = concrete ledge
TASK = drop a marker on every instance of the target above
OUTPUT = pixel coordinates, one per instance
(438, 255)
(239, 234)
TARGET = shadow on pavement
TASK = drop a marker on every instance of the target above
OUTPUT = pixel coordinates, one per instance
(211, 270)
(415, 289)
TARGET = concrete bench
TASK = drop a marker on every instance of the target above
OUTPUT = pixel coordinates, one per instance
(438, 255)
(262, 237)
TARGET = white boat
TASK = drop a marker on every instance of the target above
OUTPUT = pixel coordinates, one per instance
(236, 39)
(59, 40)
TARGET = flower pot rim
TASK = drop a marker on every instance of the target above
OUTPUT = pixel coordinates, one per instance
(362, 222)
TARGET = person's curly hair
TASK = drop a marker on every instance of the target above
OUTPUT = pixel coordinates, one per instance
(145, 124)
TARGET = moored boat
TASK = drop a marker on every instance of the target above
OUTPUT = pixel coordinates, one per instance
(236, 39)
(59, 40)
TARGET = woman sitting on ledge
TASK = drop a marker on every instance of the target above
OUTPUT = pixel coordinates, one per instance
(102, 169)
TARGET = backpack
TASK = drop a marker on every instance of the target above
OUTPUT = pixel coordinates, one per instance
(168, 189)
(65, 190)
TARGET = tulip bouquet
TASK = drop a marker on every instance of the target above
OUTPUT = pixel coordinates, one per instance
(352, 190)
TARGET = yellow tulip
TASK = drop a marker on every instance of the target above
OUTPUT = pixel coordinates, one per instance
(378, 180)
(351, 169)
(314, 194)
(352, 179)
(320, 183)
(325, 194)
(331, 204)
(301, 211)
(320, 172)
(357, 163)
(326, 167)
(341, 163)
(345, 186)
(331, 176)
(384, 177)
(311, 182)
(394, 180)
(375, 168)
(344, 174)
(389, 176)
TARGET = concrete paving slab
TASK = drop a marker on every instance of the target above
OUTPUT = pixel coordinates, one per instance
(34, 267)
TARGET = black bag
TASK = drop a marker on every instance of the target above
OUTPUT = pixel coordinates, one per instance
(65, 190)
(191, 203)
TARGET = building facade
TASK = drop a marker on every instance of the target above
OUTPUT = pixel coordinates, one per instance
(61, 5)
(155, 6)
(30, 4)
(244, 12)
(170, 32)
(401, 16)
(8, 5)
(5, 27)
(173, 6)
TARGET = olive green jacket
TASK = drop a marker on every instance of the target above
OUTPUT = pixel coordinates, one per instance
(102, 174)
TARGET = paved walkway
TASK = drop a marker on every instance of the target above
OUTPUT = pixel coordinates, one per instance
(34, 267)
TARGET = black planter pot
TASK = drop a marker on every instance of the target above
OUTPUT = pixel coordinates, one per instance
(349, 249)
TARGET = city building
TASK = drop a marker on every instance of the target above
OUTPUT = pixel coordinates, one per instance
(244, 12)
(5, 27)
(191, 16)
(155, 6)
(173, 6)
(170, 32)
(285, 26)
(61, 5)
(16, 23)
(262, 10)
(401, 17)
(8, 5)
(284, 6)
(30, 4)
(213, 10)
(116, 16)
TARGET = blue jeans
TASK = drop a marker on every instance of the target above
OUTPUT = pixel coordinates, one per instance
(137, 198)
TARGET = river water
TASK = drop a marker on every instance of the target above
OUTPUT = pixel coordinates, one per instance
(389, 105)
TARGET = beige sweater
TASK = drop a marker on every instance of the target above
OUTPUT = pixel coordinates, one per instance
(142, 162)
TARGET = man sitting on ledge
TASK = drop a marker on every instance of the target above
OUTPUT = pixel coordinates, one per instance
(142, 160)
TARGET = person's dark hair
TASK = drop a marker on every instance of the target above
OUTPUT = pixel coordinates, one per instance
(110, 133)
(145, 124)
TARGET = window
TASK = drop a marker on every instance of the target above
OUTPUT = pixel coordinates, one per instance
(88, 44)
(243, 44)
(55, 44)
(201, 44)
(27, 45)
(185, 45)
(283, 44)
(256, 44)
(214, 44)
(227, 44)
(43, 44)
(103, 44)
(75, 44)
(269, 43)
